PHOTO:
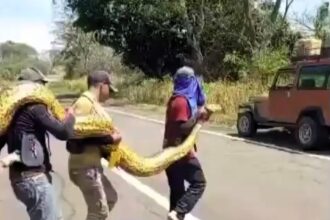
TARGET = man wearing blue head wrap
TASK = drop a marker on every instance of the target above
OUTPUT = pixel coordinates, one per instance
(185, 108)
(187, 85)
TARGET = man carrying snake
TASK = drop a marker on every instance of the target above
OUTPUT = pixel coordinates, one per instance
(91, 132)
(85, 167)
(185, 108)
(30, 179)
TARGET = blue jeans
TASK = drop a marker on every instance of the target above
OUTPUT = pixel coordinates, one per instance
(37, 194)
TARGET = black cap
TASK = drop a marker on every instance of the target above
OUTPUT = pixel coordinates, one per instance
(32, 74)
(100, 76)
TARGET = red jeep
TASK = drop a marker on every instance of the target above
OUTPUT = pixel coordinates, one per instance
(299, 100)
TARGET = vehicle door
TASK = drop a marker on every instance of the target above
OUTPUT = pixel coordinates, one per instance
(280, 95)
(312, 90)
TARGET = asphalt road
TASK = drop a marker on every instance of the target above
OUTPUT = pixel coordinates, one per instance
(246, 181)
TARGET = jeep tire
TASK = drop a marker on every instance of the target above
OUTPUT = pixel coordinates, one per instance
(246, 125)
(310, 134)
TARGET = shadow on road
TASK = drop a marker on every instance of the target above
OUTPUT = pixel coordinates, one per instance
(284, 141)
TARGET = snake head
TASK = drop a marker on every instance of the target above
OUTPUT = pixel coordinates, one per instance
(208, 111)
(211, 109)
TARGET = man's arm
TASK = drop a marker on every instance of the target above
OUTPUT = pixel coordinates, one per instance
(187, 126)
(203, 115)
(61, 130)
(8, 159)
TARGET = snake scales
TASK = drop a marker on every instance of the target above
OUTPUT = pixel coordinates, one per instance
(14, 97)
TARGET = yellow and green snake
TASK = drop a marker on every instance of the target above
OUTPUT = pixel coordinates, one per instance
(14, 97)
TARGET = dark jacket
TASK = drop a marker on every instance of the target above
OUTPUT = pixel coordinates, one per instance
(35, 119)
(78, 146)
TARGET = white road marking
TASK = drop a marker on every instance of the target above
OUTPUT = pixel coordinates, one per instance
(219, 134)
(148, 191)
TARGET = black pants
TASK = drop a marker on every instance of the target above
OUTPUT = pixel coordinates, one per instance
(183, 200)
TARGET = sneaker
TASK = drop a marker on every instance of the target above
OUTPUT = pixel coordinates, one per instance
(173, 215)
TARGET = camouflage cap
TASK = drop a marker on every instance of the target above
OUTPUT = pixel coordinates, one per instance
(32, 74)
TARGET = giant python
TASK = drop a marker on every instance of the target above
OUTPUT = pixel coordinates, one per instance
(14, 97)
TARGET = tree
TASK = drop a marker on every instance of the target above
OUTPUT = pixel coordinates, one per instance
(80, 53)
(12, 50)
(16, 56)
(319, 23)
(288, 4)
(149, 34)
(276, 10)
(152, 35)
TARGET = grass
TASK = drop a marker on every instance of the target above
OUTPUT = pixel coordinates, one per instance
(137, 90)
(228, 95)
(66, 87)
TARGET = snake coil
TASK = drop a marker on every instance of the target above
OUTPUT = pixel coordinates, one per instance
(14, 97)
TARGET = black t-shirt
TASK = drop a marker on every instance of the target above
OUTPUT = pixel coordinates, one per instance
(35, 119)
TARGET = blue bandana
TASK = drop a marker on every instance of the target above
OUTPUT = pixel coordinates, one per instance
(187, 85)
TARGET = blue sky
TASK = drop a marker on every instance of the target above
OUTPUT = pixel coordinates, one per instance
(30, 21)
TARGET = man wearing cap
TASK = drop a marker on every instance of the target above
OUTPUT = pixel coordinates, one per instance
(85, 169)
(30, 179)
(185, 107)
